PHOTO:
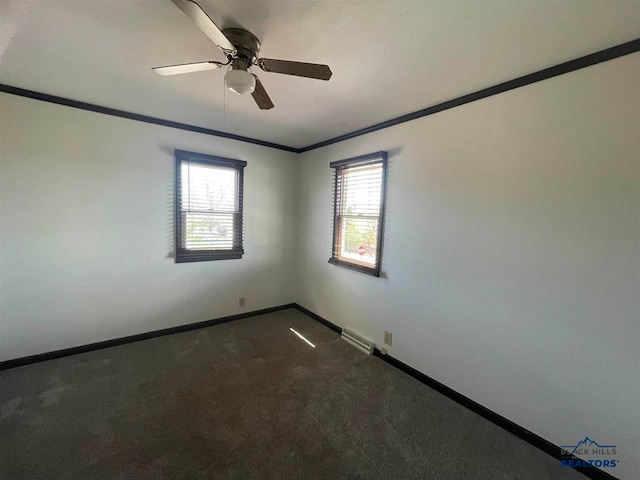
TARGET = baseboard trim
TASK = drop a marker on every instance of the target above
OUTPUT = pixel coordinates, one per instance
(511, 427)
(318, 318)
(43, 357)
(520, 432)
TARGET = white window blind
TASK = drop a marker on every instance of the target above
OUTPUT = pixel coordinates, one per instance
(359, 194)
(208, 207)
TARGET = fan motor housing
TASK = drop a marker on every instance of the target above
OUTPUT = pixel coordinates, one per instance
(246, 43)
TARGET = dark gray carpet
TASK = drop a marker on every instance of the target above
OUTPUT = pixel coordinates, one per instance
(243, 400)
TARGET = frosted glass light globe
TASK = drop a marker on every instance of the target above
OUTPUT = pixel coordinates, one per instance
(240, 81)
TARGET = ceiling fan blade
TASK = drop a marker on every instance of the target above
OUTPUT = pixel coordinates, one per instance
(260, 96)
(187, 68)
(299, 69)
(204, 23)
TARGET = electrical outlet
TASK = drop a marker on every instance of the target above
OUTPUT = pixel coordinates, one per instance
(383, 351)
(387, 338)
(241, 302)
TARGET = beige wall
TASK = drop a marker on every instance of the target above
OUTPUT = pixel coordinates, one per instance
(86, 230)
(511, 260)
(511, 253)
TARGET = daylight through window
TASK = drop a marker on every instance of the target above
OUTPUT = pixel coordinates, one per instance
(208, 207)
(359, 193)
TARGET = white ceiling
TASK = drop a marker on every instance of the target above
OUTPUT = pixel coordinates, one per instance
(388, 57)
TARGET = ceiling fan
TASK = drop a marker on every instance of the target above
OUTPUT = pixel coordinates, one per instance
(241, 48)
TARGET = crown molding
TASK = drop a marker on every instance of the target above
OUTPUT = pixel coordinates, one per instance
(601, 56)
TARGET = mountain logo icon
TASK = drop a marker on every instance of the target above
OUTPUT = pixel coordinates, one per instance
(587, 442)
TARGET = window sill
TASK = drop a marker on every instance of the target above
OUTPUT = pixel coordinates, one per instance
(373, 271)
(186, 257)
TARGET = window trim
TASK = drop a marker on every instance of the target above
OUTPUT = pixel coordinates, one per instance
(183, 255)
(360, 161)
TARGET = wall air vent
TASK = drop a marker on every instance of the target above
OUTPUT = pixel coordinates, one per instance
(363, 344)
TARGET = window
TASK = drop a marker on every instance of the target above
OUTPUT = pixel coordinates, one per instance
(208, 215)
(358, 212)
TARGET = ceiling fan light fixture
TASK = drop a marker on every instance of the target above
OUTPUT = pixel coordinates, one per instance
(240, 81)
(241, 48)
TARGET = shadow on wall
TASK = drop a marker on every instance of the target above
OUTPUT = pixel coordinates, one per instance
(392, 157)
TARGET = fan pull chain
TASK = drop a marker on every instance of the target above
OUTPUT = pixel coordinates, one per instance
(224, 105)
